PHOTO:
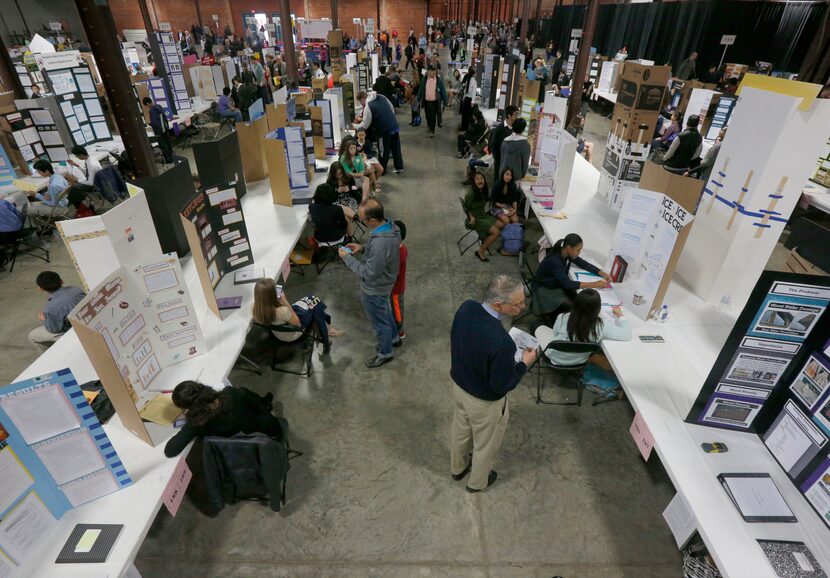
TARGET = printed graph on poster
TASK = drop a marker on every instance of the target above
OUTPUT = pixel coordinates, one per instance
(794, 440)
(622, 169)
(816, 488)
(765, 353)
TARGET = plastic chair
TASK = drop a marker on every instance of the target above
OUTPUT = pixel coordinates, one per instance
(574, 371)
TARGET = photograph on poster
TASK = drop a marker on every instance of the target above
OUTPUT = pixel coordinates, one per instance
(731, 412)
(786, 319)
(817, 490)
(756, 369)
(809, 385)
(822, 416)
(793, 439)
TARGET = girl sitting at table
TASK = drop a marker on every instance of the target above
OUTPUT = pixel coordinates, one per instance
(225, 413)
(504, 198)
(553, 290)
(365, 148)
(583, 324)
(348, 192)
(355, 164)
(486, 226)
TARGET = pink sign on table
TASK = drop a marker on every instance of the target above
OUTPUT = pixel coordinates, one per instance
(642, 436)
(176, 487)
(286, 269)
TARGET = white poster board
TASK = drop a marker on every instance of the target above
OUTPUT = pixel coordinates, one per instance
(203, 82)
(98, 245)
(608, 76)
(337, 117)
(699, 101)
(764, 161)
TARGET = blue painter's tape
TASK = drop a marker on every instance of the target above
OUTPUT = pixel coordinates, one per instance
(762, 225)
(707, 191)
(744, 189)
(717, 183)
(722, 174)
(766, 212)
(776, 196)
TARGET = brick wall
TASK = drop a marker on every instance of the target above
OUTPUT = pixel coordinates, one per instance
(181, 14)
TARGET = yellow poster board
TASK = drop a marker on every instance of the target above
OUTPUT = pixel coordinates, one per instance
(806, 90)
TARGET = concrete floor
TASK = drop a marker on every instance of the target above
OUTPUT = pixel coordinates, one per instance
(372, 496)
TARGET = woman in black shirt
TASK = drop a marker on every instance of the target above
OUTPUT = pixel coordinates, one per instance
(504, 198)
(332, 222)
(221, 413)
(348, 193)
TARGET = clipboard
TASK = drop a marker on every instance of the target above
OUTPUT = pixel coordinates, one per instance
(754, 492)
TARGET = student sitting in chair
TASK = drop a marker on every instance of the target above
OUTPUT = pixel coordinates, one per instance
(222, 413)
(553, 290)
(271, 307)
(583, 324)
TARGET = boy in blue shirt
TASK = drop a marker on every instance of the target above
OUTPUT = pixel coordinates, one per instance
(43, 206)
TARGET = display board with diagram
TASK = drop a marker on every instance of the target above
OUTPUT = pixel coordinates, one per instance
(772, 378)
(54, 456)
(25, 135)
(164, 45)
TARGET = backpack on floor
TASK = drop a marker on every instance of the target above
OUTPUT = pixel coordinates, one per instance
(417, 121)
(513, 237)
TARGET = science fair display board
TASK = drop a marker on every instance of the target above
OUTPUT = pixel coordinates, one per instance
(772, 378)
(288, 172)
(164, 45)
(99, 244)
(490, 81)
(54, 456)
(553, 178)
(137, 321)
(79, 104)
(654, 222)
(509, 84)
(764, 161)
(26, 135)
(215, 227)
(621, 170)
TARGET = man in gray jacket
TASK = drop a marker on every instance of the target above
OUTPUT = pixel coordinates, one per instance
(378, 270)
(515, 151)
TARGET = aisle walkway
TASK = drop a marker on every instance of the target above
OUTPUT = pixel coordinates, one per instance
(373, 495)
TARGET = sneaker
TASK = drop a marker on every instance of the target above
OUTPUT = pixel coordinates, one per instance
(333, 332)
(402, 335)
(377, 361)
(398, 171)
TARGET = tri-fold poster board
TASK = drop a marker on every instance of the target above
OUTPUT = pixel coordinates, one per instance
(137, 321)
(54, 456)
(654, 223)
(79, 104)
(27, 137)
(772, 378)
(215, 228)
(557, 151)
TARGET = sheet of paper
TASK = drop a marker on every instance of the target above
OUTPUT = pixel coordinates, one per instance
(102, 131)
(31, 135)
(57, 154)
(51, 138)
(15, 479)
(680, 519)
(757, 497)
(19, 138)
(160, 281)
(522, 339)
(788, 442)
(93, 107)
(161, 410)
(72, 122)
(90, 487)
(88, 134)
(70, 456)
(85, 83)
(41, 117)
(63, 82)
(40, 413)
(219, 196)
(66, 107)
(87, 541)
(24, 528)
(80, 112)
(231, 218)
(7, 567)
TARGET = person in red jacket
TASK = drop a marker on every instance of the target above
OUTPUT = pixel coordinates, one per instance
(396, 297)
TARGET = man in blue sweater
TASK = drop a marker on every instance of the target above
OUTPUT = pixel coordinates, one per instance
(484, 371)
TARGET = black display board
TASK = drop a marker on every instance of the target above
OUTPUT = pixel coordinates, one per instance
(772, 378)
(219, 161)
(166, 194)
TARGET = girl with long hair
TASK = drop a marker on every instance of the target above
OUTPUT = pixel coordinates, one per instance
(354, 164)
(504, 198)
(348, 192)
(553, 290)
(224, 413)
(584, 324)
(487, 227)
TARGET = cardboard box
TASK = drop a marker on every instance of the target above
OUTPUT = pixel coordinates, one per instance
(633, 125)
(643, 87)
(302, 99)
(798, 264)
(318, 87)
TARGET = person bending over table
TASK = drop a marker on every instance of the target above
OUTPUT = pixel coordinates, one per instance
(487, 227)
(42, 206)
(355, 165)
(222, 413)
(504, 198)
(348, 192)
(332, 222)
(553, 290)
(62, 300)
(271, 307)
(584, 324)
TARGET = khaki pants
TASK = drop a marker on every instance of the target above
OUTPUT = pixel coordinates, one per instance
(483, 423)
(43, 338)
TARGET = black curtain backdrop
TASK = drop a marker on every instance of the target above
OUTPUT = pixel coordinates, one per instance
(776, 32)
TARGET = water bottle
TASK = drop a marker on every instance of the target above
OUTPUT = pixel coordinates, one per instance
(663, 314)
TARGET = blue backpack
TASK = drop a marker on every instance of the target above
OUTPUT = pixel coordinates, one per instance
(513, 237)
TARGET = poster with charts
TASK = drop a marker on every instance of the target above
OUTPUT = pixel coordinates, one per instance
(145, 314)
(80, 106)
(51, 443)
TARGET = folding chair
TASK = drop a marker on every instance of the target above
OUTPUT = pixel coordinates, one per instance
(574, 371)
(478, 146)
(26, 238)
(333, 248)
(47, 222)
(306, 342)
(526, 275)
(471, 230)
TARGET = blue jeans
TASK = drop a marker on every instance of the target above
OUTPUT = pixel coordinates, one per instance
(232, 113)
(383, 322)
